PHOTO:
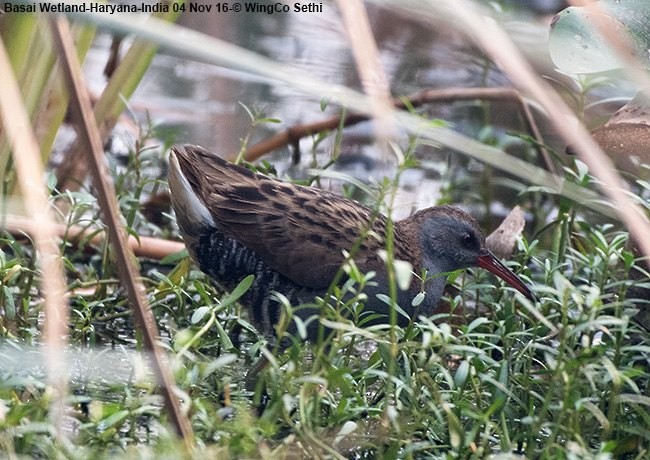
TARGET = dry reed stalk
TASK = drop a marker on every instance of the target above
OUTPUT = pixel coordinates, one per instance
(90, 138)
(371, 72)
(30, 174)
(143, 246)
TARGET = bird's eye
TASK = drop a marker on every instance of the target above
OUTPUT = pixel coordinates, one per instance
(469, 240)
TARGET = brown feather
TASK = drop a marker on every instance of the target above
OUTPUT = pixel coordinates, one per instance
(236, 222)
(299, 232)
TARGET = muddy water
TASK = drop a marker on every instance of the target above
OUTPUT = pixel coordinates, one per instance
(201, 104)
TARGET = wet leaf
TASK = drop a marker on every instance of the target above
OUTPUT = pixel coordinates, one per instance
(577, 43)
(114, 420)
(9, 305)
(199, 314)
(418, 299)
(460, 377)
(403, 274)
(347, 428)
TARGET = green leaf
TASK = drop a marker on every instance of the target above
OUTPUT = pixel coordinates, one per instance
(460, 377)
(476, 323)
(269, 120)
(223, 336)
(456, 430)
(199, 314)
(384, 352)
(417, 300)
(301, 327)
(9, 305)
(387, 300)
(578, 46)
(348, 428)
(403, 273)
(219, 363)
(243, 286)
(174, 257)
(324, 102)
(114, 420)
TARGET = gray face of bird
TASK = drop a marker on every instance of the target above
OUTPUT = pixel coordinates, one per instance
(455, 242)
(450, 244)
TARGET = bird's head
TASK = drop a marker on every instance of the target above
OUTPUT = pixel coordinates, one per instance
(451, 240)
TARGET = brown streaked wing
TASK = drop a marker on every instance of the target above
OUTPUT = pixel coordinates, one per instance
(299, 231)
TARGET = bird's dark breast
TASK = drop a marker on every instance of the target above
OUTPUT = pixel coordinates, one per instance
(228, 261)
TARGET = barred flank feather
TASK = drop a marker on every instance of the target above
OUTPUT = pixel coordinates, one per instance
(233, 262)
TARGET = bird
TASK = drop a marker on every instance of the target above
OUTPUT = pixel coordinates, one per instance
(294, 240)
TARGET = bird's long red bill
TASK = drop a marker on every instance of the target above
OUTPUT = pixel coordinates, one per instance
(490, 263)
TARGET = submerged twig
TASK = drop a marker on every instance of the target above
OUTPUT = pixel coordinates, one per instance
(292, 135)
(142, 246)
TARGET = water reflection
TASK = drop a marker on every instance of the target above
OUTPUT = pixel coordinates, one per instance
(201, 103)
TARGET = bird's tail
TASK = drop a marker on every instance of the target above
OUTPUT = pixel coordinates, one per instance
(192, 215)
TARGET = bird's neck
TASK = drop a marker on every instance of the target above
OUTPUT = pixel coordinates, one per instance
(427, 271)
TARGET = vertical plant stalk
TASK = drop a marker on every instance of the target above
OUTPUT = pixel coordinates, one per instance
(376, 86)
(32, 58)
(30, 174)
(89, 137)
(373, 78)
(111, 103)
(28, 57)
